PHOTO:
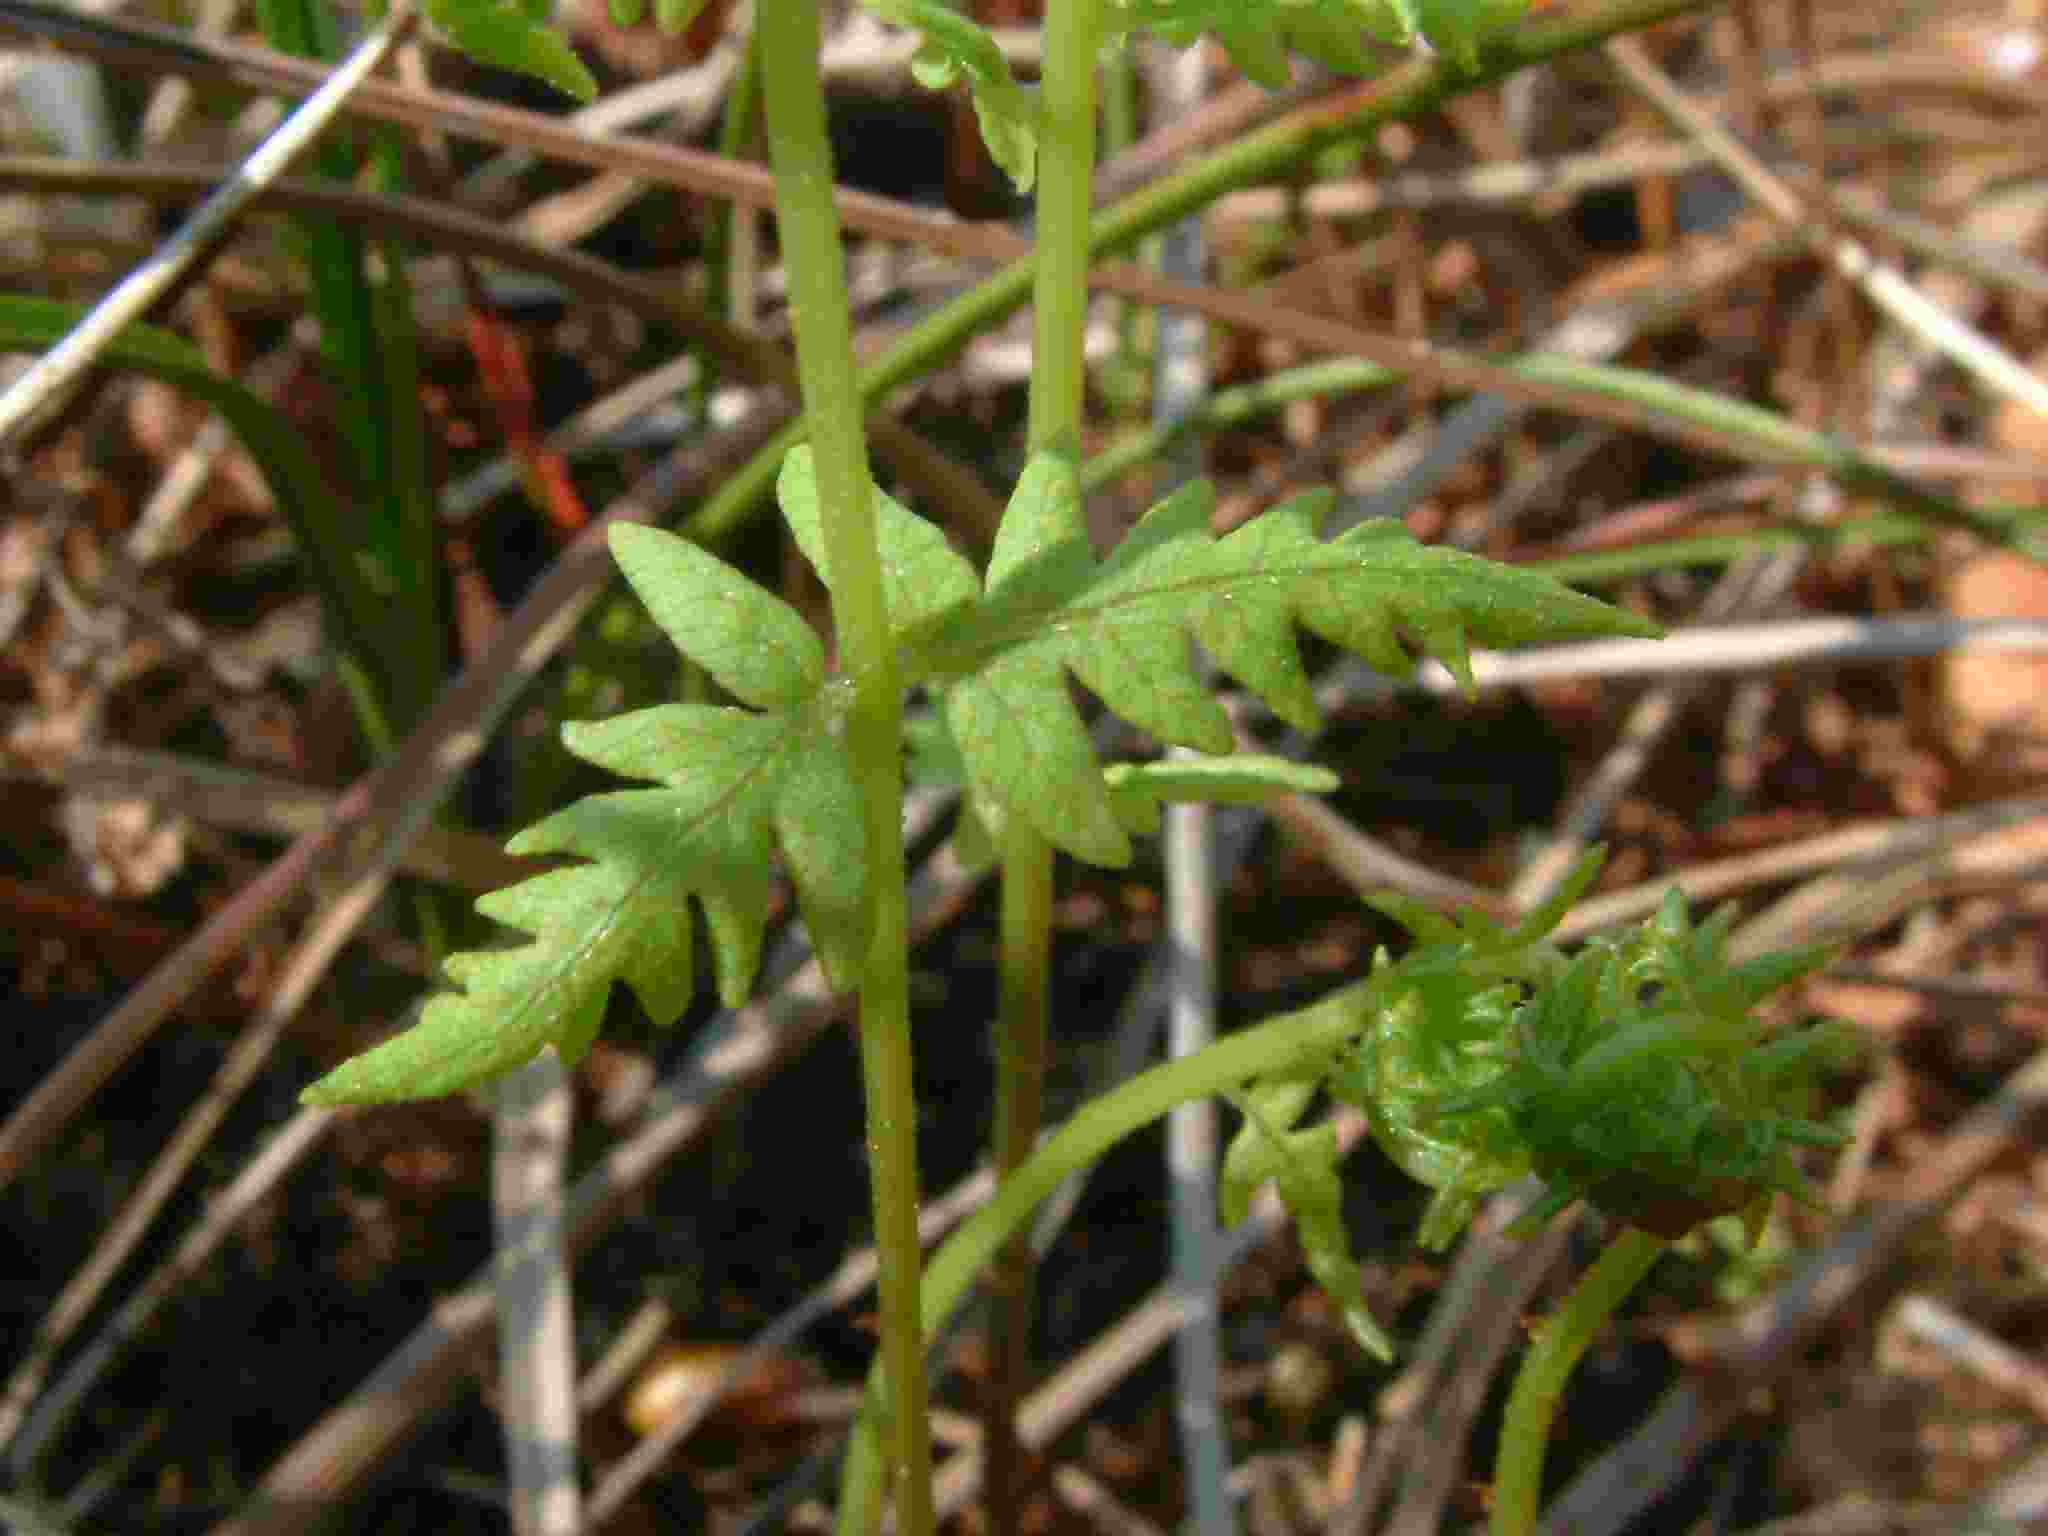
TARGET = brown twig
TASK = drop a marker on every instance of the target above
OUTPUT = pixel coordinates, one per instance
(1986, 361)
(1318, 335)
(242, 801)
(939, 478)
(56, 373)
(302, 971)
(740, 182)
(398, 798)
(224, 1213)
(854, 1275)
(60, 1095)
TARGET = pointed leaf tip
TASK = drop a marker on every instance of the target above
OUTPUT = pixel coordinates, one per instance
(737, 786)
(922, 575)
(758, 648)
(503, 36)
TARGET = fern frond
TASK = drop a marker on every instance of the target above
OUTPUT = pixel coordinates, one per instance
(1122, 627)
(737, 786)
(956, 48)
(1303, 1164)
(1634, 1075)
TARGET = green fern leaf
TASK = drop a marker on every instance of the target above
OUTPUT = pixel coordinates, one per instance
(502, 34)
(956, 48)
(516, 1001)
(1303, 1165)
(922, 576)
(1122, 627)
(754, 645)
(737, 785)
(1337, 33)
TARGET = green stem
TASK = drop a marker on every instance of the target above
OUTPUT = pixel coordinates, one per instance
(1229, 407)
(1303, 1040)
(1767, 436)
(1119, 132)
(1539, 1385)
(1604, 567)
(1066, 172)
(737, 140)
(1775, 436)
(1021, 1051)
(787, 35)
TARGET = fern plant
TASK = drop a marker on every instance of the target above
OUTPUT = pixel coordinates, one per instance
(1462, 1053)
(771, 774)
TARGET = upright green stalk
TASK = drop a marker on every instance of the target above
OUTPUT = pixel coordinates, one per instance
(1066, 170)
(787, 35)
(1297, 1041)
(1026, 962)
(1405, 91)
(1539, 1385)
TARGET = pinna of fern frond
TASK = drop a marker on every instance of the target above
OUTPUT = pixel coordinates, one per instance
(1125, 627)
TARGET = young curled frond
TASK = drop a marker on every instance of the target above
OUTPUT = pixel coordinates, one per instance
(1303, 1165)
(1636, 1075)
